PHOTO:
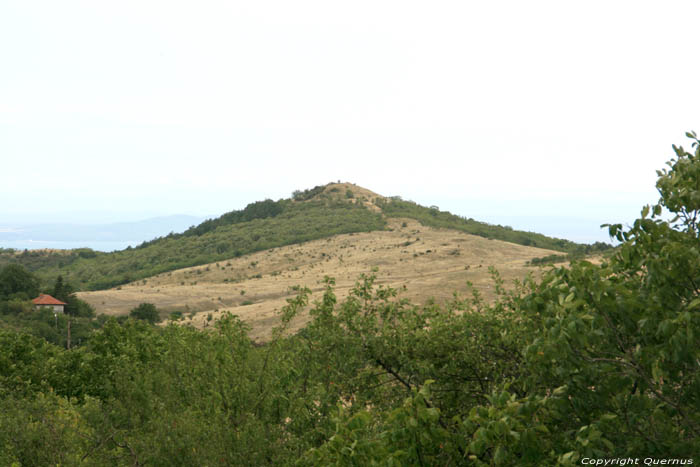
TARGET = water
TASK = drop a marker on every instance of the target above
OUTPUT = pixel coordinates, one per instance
(98, 245)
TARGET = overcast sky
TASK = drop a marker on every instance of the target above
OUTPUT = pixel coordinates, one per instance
(548, 116)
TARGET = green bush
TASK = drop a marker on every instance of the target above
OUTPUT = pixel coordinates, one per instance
(549, 259)
(18, 283)
(175, 315)
(147, 312)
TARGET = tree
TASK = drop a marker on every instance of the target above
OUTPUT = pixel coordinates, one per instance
(61, 290)
(74, 306)
(614, 364)
(146, 312)
(17, 282)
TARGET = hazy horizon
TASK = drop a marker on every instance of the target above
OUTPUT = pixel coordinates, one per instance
(81, 225)
(545, 116)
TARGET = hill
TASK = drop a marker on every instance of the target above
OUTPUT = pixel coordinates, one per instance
(320, 212)
(425, 263)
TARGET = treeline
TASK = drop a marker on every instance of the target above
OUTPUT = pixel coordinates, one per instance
(433, 217)
(34, 260)
(305, 195)
(256, 210)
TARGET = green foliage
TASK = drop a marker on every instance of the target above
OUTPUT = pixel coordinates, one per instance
(17, 311)
(306, 195)
(146, 312)
(15, 307)
(175, 315)
(549, 259)
(603, 358)
(17, 282)
(45, 430)
(257, 210)
(621, 337)
(34, 260)
(44, 323)
(24, 362)
(74, 306)
(596, 361)
(298, 222)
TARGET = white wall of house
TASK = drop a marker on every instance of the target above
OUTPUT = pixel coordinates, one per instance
(54, 308)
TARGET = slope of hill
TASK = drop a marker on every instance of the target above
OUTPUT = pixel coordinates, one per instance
(431, 264)
(320, 212)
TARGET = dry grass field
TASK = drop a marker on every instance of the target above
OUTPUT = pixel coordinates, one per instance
(430, 263)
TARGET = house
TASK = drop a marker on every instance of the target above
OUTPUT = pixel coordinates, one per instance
(44, 300)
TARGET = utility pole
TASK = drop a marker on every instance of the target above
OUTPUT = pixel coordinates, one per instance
(68, 342)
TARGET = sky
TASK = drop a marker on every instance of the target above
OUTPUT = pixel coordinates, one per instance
(546, 116)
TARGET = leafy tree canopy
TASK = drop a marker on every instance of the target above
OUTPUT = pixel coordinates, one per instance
(146, 312)
(17, 282)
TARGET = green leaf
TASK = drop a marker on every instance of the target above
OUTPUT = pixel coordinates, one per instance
(499, 457)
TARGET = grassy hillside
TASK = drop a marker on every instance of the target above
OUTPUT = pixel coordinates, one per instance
(34, 260)
(319, 212)
(433, 265)
(297, 222)
(433, 217)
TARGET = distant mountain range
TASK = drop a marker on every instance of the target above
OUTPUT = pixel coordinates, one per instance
(101, 237)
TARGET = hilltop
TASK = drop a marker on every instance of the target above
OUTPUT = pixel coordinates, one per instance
(313, 214)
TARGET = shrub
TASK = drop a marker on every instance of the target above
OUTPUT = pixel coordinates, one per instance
(146, 312)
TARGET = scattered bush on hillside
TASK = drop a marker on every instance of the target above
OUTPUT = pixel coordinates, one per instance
(175, 315)
(147, 312)
(549, 259)
(305, 195)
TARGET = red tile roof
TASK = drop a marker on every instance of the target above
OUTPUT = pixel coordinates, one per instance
(44, 299)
